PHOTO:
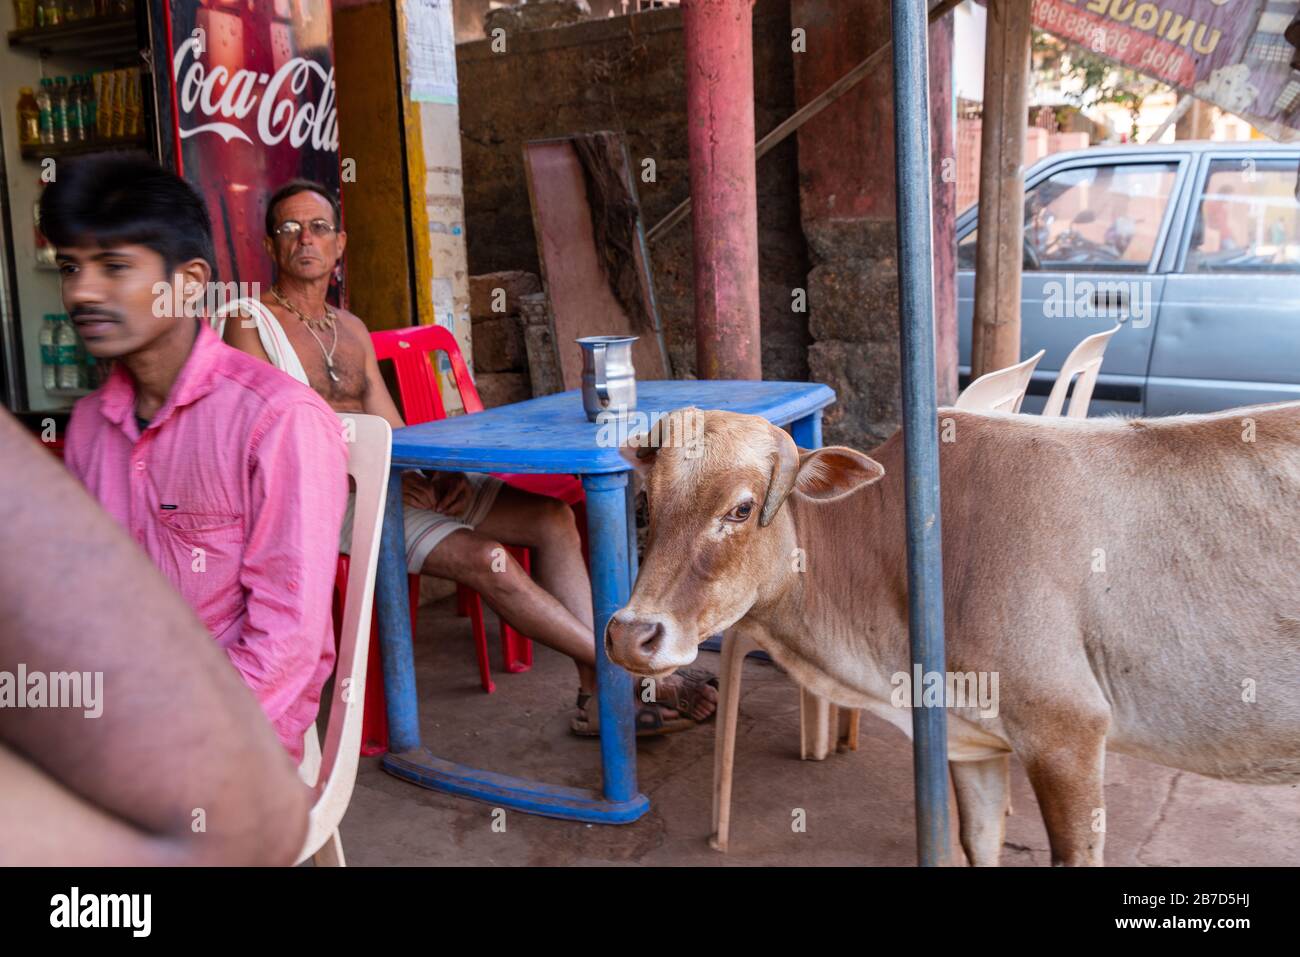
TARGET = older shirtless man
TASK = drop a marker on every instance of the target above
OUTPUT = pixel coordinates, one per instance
(455, 522)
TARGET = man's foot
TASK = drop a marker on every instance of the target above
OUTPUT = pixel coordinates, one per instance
(690, 692)
(683, 700)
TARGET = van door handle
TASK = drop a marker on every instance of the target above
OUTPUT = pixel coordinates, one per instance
(1111, 299)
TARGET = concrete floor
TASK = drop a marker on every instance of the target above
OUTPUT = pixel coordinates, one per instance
(858, 806)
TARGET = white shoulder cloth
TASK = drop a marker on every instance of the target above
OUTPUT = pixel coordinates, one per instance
(277, 345)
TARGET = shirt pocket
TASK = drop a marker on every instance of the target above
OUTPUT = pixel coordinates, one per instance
(205, 552)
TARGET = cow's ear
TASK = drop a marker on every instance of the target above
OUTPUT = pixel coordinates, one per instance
(638, 452)
(835, 471)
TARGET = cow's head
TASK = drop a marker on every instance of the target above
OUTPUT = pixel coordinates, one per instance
(719, 538)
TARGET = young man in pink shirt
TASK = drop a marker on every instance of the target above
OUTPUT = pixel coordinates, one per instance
(227, 472)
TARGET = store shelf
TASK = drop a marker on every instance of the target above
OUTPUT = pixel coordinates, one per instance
(68, 393)
(109, 36)
(60, 150)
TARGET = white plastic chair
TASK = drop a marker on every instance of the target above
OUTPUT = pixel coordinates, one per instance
(820, 731)
(369, 454)
(1084, 362)
(1000, 391)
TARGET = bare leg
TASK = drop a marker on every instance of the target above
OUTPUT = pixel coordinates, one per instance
(481, 563)
(983, 792)
(547, 526)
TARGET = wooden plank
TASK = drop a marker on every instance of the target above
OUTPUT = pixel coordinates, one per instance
(999, 248)
(582, 303)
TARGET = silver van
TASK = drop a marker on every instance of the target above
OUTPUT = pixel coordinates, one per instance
(1193, 247)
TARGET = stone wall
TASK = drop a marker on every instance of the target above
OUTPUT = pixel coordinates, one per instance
(627, 74)
(847, 202)
(825, 197)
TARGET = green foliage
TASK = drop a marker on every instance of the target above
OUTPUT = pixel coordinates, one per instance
(1089, 79)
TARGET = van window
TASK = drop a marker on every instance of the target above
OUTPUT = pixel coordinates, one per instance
(1092, 218)
(1247, 218)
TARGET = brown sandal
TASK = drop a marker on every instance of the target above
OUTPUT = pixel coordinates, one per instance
(684, 696)
(650, 720)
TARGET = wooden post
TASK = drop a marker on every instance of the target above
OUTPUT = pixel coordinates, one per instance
(724, 215)
(999, 249)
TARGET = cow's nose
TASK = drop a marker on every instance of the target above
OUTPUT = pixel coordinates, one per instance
(636, 638)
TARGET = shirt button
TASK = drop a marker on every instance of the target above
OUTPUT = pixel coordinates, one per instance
(139, 466)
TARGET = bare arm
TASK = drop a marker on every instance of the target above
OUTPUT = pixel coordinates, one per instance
(179, 739)
(378, 401)
(241, 332)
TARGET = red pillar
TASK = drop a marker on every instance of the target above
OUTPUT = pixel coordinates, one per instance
(724, 197)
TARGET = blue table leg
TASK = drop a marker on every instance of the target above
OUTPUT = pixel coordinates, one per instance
(609, 539)
(620, 803)
(393, 608)
(807, 432)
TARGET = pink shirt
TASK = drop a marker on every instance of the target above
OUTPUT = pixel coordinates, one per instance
(236, 490)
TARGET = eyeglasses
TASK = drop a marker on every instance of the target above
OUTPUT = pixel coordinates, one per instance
(292, 229)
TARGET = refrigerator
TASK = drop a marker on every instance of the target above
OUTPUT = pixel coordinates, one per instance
(237, 97)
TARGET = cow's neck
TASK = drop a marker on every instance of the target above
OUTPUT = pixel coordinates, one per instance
(845, 614)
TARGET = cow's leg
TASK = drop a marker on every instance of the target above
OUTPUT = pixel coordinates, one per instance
(1067, 778)
(983, 792)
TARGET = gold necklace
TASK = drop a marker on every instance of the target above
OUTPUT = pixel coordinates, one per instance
(310, 323)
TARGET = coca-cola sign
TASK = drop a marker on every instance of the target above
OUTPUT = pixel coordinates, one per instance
(253, 88)
(277, 100)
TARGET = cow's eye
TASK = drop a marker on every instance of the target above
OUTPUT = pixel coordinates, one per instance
(740, 512)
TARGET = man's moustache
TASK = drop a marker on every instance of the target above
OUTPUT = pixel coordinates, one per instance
(95, 313)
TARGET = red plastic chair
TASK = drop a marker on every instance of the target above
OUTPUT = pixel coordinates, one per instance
(374, 720)
(409, 349)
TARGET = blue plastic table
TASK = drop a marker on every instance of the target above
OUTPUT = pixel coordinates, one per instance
(552, 435)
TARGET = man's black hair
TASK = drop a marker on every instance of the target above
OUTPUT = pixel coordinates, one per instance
(111, 199)
(293, 188)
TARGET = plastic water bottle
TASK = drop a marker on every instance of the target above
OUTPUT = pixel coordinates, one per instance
(48, 357)
(72, 109)
(66, 348)
(45, 103)
(88, 119)
(61, 125)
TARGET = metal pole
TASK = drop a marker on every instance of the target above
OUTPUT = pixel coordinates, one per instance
(920, 428)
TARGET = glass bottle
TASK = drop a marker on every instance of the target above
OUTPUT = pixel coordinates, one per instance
(24, 14)
(132, 127)
(50, 13)
(29, 118)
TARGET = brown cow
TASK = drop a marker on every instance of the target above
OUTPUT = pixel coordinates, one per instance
(1132, 584)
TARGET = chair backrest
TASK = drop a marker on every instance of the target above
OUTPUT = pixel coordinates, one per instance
(409, 351)
(1000, 391)
(1085, 362)
(370, 445)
